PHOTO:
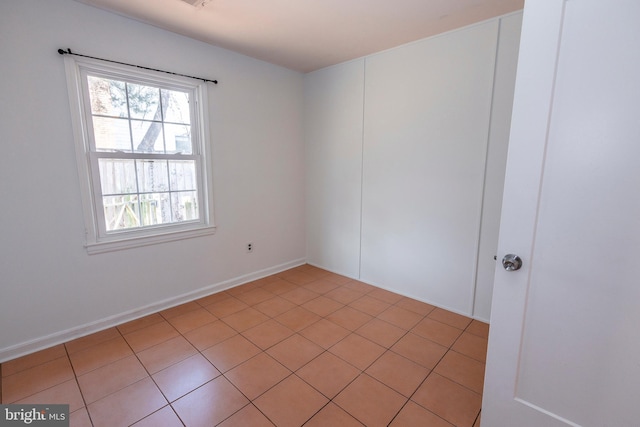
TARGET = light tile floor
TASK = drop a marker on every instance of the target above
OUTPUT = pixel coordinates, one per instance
(302, 347)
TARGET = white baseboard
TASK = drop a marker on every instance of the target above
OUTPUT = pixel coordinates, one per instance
(332, 271)
(60, 337)
(481, 319)
(399, 292)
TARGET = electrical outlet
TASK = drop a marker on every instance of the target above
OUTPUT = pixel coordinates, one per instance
(249, 247)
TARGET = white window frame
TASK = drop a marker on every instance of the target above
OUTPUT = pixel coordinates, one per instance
(98, 240)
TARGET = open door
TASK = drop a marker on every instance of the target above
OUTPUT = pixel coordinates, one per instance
(564, 346)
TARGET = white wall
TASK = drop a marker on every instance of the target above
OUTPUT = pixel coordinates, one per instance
(426, 116)
(333, 127)
(50, 288)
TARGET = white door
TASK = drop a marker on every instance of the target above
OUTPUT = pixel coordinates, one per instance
(564, 346)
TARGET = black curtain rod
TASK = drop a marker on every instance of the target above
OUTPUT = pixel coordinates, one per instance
(68, 52)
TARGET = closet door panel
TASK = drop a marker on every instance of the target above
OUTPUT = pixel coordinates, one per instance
(426, 123)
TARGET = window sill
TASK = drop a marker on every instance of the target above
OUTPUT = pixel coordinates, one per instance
(135, 242)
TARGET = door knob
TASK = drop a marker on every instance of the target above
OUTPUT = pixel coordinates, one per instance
(511, 262)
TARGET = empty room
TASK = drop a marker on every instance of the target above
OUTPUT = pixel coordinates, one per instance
(297, 213)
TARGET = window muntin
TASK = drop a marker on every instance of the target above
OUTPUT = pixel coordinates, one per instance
(143, 152)
(147, 192)
(139, 118)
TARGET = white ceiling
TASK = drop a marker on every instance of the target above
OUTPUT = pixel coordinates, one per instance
(307, 35)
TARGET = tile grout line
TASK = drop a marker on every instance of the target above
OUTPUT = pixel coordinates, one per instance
(75, 377)
(150, 376)
(221, 373)
(304, 283)
(363, 371)
(329, 400)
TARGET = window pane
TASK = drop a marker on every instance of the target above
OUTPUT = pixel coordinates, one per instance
(176, 106)
(144, 102)
(117, 176)
(121, 212)
(146, 141)
(152, 176)
(108, 97)
(184, 206)
(178, 138)
(183, 174)
(147, 137)
(111, 134)
(155, 209)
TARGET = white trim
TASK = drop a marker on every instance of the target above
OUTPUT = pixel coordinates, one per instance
(396, 291)
(134, 242)
(97, 239)
(80, 137)
(313, 264)
(363, 123)
(485, 161)
(533, 100)
(67, 335)
(546, 412)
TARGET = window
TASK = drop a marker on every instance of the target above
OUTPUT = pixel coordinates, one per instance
(142, 151)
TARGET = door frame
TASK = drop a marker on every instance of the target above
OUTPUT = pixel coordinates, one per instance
(533, 100)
